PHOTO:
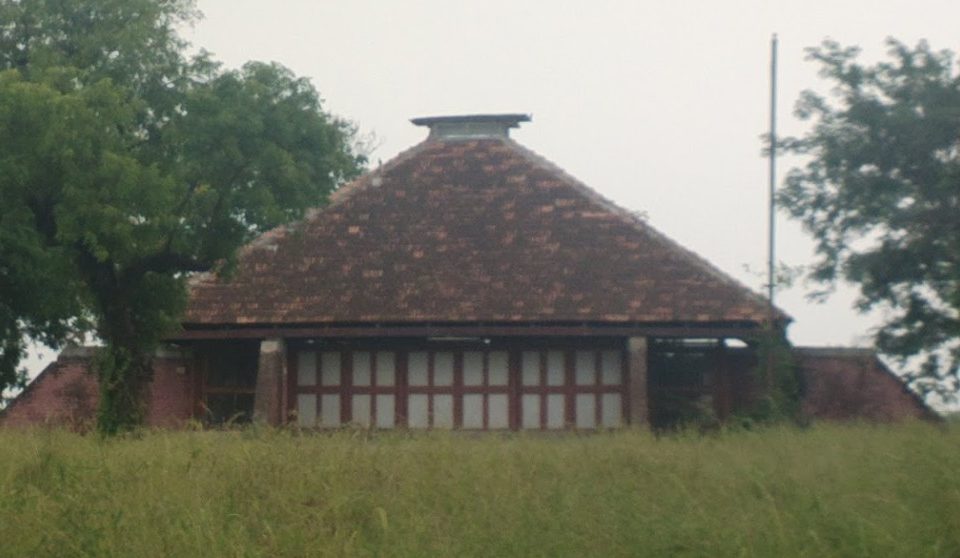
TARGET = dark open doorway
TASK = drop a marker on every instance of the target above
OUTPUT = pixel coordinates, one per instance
(228, 381)
(697, 382)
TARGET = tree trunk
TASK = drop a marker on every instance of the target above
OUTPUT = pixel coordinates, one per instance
(127, 323)
(124, 375)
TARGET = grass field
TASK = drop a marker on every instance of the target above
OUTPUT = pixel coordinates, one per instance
(825, 491)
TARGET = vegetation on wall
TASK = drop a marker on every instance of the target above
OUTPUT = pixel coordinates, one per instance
(778, 377)
(128, 165)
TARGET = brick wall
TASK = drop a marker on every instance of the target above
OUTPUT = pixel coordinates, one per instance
(847, 384)
(171, 393)
(840, 384)
(65, 393)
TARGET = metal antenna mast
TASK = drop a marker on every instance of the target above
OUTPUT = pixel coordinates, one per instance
(771, 271)
(771, 279)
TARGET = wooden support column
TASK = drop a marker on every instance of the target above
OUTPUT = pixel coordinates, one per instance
(637, 370)
(271, 375)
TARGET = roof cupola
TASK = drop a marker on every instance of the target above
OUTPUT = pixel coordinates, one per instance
(471, 126)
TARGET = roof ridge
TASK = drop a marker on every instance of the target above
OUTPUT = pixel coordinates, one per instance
(639, 223)
(365, 180)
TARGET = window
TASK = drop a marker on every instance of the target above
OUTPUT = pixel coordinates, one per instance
(580, 389)
(486, 392)
(354, 387)
(474, 388)
(458, 389)
(430, 389)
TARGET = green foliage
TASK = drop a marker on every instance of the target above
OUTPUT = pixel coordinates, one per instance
(826, 491)
(27, 261)
(881, 194)
(777, 373)
(127, 166)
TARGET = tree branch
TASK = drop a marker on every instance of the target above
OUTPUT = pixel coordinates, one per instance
(166, 262)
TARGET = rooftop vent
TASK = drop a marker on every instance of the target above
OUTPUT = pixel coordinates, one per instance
(471, 125)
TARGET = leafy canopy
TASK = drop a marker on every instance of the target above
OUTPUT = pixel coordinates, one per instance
(881, 194)
(126, 164)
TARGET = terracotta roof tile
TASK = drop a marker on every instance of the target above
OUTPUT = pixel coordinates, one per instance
(470, 230)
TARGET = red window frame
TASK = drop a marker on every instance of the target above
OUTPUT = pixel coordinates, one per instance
(513, 389)
(569, 389)
(485, 389)
(348, 390)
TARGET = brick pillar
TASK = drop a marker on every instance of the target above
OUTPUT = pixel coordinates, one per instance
(271, 371)
(637, 363)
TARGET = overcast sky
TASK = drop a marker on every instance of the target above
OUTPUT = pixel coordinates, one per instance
(657, 105)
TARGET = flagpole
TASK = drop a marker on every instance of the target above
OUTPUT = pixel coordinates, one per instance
(771, 271)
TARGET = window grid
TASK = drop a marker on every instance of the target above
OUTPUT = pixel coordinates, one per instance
(606, 387)
(572, 386)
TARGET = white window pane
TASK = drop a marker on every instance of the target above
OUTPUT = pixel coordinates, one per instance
(330, 409)
(530, 404)
(443, 369)
(612, 368)
(386, 368)
(497, 414)
(473, 410)
(555, 411)
(330, 369)
(555, 372)
(417, 369)
(530, 368)
(385, 409)
(612, 410)
(307, 368)
(361, 409)
(417, 415)
(307, 410)
(361, 368)
(585, 368)
(443, 411)
(472, 368)
(498, 367)
(586, 410)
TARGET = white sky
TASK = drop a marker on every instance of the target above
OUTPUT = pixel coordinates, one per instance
(657, 105)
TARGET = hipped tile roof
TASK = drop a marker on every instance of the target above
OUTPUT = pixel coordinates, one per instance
(478, 230)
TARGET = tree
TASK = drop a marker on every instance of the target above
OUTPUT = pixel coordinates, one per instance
(126, 165)
(880, 192)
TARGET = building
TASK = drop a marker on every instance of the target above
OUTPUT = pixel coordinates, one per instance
(467, 283)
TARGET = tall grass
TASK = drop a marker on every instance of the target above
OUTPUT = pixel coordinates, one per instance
(826, 491)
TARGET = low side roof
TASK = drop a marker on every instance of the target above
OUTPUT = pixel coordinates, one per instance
(466, 231)
(849, 383)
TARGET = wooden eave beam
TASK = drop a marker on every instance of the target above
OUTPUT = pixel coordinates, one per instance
(738, 330)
